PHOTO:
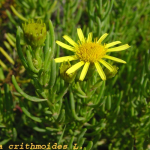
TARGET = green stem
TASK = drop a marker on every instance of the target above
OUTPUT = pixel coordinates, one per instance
(30, 63)
(72, 102)
(38, 57)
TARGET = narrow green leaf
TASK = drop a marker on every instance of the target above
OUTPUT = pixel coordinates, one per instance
(89, 146)
(52, 129)
(52, 38)
(5, 141)
(46, 46)
(108, 103)
(73, 108)
(78, 15)
(83, 131)
(39, 129)
(14, 134)
(19, 50)
(31, 98)
(61, 115)
(60, 139)
(53, 74)
(71, 142)
(37, 119)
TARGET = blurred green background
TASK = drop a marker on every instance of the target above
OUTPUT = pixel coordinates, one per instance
(122, 119)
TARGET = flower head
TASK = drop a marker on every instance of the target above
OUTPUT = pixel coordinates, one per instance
(35, 32)
(111, 74)
(90, 51)
(63, 68)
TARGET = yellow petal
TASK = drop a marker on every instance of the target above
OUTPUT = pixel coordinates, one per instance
(80, 35)
(75, 67)
(112, 44)
(66, 58)
(114, 59)
(69, 40)
(84, 71)
(89, 39)
(107, 65)
(65, 46)
(102, 38)
(119, 48)
(100, 71)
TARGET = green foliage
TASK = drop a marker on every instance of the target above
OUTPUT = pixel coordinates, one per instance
(94, 114)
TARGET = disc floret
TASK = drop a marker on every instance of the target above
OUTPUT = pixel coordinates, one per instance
(90, 52)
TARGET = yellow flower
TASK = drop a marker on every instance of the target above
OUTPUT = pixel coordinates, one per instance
(90, 52)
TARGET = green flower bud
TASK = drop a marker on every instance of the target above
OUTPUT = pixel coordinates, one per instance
(111, 74)
(90, 72)
(63, 68)
(35, 32)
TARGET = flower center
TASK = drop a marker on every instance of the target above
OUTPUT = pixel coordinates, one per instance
(90, 52)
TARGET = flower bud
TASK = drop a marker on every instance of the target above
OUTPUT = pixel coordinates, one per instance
(35, 32)
(63, 68)
(111, 74)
